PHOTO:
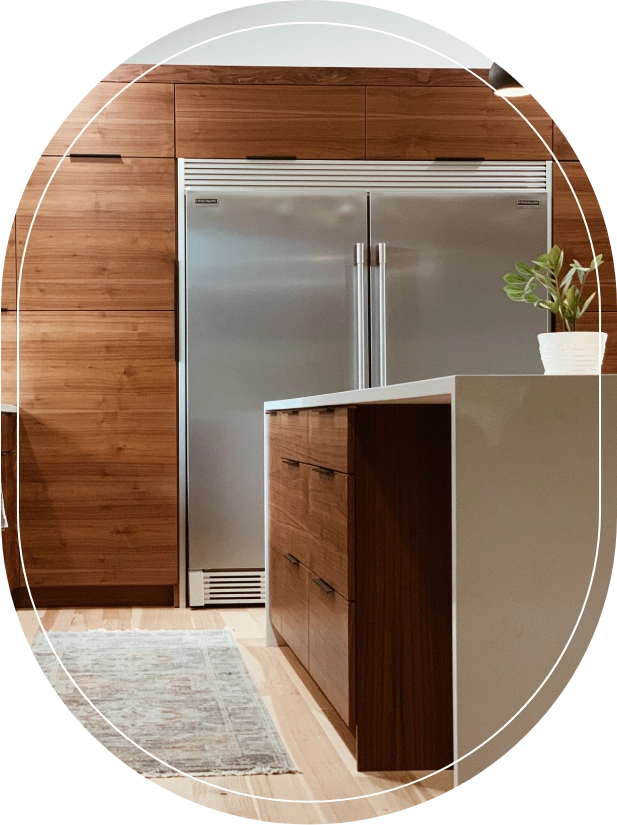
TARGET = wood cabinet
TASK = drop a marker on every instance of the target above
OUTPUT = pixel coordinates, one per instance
(10, 542)
(9, 273)
(98, 449)
(590, 322)
(8, 379)
(561, 147)
(137, 123)
(368, 609)
(291, 121)
(411, 123)
(104, 236)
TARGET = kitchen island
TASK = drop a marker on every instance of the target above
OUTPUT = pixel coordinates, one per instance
(437, 558)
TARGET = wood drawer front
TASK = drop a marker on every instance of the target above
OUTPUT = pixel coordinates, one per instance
(305, 122)
(9, 275)
(293, 600)
(10, 544)
(288, 509)
(330, 438)
(293, 429)
(9, 432)
(8, 341)
(331, 648)
(331, 525)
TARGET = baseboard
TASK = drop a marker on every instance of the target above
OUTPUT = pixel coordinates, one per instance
(160, 595)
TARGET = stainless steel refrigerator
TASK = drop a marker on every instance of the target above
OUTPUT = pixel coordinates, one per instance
(303, 277)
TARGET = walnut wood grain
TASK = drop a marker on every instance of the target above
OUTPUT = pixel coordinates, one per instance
(301, 121)
(107, 596)
(104, 237)
(8, 341)
(295, 75)
(9, 274)
(561, 147)
(591, 322)
(10, 543)
(570, 233)
(403, 587)
(331, 646)
(288, 510)
(293, 438)
(406, 123)
(330, 438)
(98, 448)
(331, 528)
(293, 598)
(138, 123)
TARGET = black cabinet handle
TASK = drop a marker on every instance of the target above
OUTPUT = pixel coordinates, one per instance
(102, 155)
(325, 471)
(292, 462)
(291, 559)
(324, 585)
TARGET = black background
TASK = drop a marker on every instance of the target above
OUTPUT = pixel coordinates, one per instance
(567, 766)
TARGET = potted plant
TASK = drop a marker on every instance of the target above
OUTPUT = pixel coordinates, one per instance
(568, 352)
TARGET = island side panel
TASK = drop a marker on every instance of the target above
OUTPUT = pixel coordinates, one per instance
(526, 513)
(403, 587)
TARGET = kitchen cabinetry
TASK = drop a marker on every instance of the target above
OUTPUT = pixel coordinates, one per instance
(8, 383)
(411, 123)
(561, 147)
(9, 274)
(293, 121)
(360, 589)
(10, 544)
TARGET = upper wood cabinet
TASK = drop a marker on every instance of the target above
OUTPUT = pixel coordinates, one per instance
(104, 236)
(8, 381)
(98, 465)
(561, 147)
(270, 121)
(569, 230)
(411, 123)
(138, 123)
(9, 274)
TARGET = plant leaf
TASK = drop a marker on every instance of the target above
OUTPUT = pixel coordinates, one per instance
(583, 309)
(514, 278)
(523, 268)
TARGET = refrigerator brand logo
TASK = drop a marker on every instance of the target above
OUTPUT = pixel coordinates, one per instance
(207, 201)
(527, 202)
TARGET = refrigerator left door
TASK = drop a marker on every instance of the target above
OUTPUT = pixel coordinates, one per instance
(270, 313)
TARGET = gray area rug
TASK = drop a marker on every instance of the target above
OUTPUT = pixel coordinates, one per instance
(184, 696)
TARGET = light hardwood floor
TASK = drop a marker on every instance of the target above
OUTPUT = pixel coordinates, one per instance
(317, 741)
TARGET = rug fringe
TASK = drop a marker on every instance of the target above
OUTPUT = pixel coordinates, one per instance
(254, 772)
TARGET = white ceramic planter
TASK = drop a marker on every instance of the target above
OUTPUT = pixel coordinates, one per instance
(572, 353)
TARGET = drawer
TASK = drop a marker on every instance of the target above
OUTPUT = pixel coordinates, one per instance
(293, 434)
(330, 438)
(274, 437)
(331, 647)
(9, 432)
(275, 588)
(293, 607)
(288, 509)
(331, 526)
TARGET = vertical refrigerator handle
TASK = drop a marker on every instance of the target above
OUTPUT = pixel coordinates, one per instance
(378, 317)
(361, 296)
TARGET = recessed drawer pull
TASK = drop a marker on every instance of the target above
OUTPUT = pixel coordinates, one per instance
(270, 412)
(292, 559)
(325, 471)
(324, 585)
(291, 462)
(322, 410)
(291, 412)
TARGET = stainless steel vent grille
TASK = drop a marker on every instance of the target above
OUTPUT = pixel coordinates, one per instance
(502, 175)
(211, 587)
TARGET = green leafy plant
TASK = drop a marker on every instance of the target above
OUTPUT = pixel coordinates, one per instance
(563, 297)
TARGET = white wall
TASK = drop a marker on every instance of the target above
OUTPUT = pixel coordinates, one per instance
(312, 45)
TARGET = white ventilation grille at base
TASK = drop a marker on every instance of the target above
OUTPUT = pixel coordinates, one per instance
(223, 587)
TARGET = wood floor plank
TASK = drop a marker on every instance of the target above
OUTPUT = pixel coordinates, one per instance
(29, 623)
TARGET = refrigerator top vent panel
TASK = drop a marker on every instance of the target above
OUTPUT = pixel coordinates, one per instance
(485, 175)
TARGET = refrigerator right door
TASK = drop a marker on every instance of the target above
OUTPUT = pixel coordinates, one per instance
(437, 300)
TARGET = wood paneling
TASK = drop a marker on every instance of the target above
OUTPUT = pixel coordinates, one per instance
(288, 510)
(331, 528)
(403, 587)
(110, 596)
(138, 123)
(570, 233)
(296, 75)
(98, 448)
(8, 379)
(330, 438)
(590, 322)
(104, 237)
(330, 663)
(9, 274)
(424, 124)
(293, 428)
(299, 121)
(561, 147)
(10, 543)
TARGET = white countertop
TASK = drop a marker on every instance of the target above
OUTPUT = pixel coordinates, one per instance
(429, 391)
(8, 408)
